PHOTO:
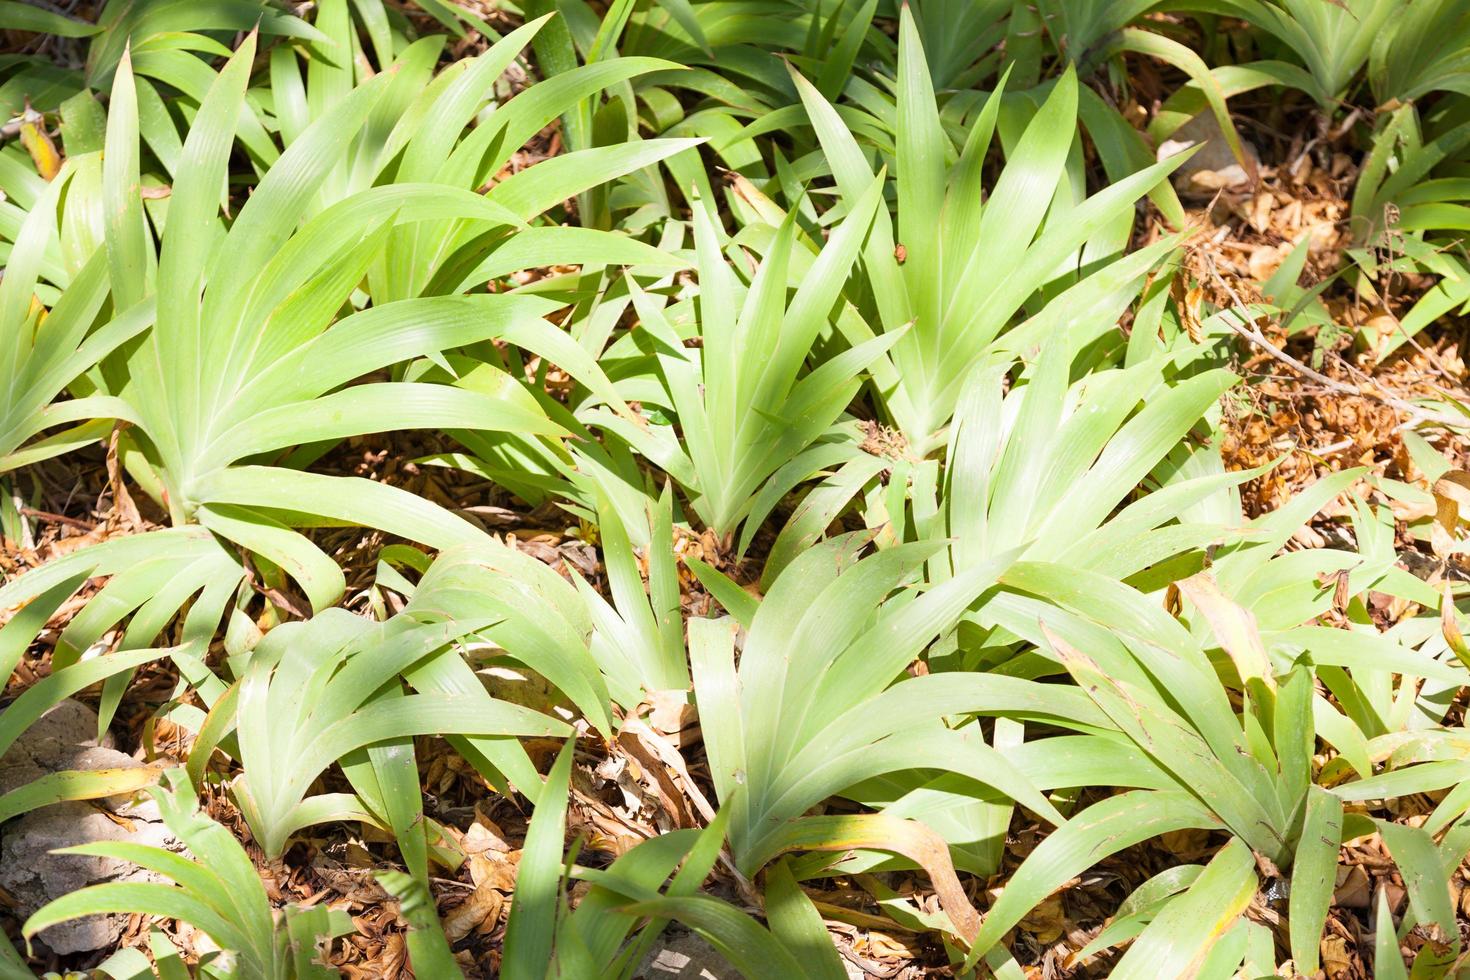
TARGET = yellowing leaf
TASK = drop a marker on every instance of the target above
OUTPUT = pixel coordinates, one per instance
(1234, 626)
(1449, 625)
(909, 838)
(39, 146)
(1452, 503)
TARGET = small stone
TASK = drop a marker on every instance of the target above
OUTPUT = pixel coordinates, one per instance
(1211, 168)
(685, 956)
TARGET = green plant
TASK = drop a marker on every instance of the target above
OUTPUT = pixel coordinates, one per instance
(1093, 35)
(1405, 51)
(217, 891)
(624, 647)
(54, 788)
(251, 363)
(639, 635)
(1333, 41)
(251, 333)
(1117, 416)
(46, 350)
(150, 577)
(171, 40)
(1409, 212)
(245, 350)
(674, 298)
(1425, 48)
(1169, 689)
(328, 691)
(814, 708)
(261, 340)
(1112, 433)
(629, 903)
(751, 423)
(419, 133)
(954, 273)
(536, 618)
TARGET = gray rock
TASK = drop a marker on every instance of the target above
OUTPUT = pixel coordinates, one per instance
(67, 724)
(65, 738)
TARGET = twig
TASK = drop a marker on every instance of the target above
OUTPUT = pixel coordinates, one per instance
(1251, 331)
(50, 518)
(1328, 450)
